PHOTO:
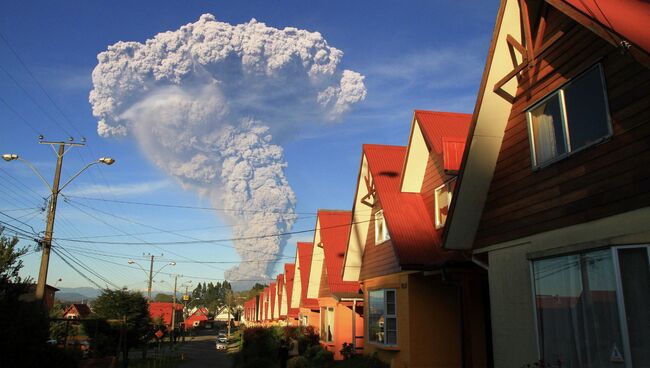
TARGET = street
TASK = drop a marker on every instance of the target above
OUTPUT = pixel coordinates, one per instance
(200, 351)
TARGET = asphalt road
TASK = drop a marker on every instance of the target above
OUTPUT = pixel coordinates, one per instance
(200, 351)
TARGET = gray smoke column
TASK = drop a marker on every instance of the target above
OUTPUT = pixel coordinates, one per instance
(209, 103)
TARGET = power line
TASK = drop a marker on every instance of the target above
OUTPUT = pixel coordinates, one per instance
(87, 268)
(203, 241)
(20, 60)
(19, 221)
(191, 207)
(19, 115)
(75, 269)
(135, 237)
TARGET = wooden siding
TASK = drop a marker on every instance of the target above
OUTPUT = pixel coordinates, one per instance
(378, 259)
(434, 176)
(600, 181)
(324, 290)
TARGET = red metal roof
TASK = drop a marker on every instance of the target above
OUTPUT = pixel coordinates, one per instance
(334, 230)
(164, 310)
(409, 224)
(629, 18)
(452, 152)
(82, 310)
(280, 281)
(437, 125)
(272, 293)
(265, 301)
(289, 272)
(305, 251)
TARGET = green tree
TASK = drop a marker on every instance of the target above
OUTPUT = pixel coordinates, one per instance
(57, 328)
(116, 306)
(24, 323)
(163, 298)
(10, 262)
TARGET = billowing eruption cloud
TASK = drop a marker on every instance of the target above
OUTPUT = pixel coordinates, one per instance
(207, 102)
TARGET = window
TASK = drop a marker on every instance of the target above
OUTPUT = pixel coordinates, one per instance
(381, 231)
(572, 118)
(592, 307)
(382, 317)
(327, 324)
(443, 201)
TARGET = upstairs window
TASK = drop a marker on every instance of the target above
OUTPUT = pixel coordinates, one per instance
(381, 231)
(570, 119)
(443, 201)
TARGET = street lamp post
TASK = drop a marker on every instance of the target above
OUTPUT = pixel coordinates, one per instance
(151, 274)
(55, 189)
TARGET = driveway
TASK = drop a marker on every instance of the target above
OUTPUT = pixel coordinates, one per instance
(200, 352)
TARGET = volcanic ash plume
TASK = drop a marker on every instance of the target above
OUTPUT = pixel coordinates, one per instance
(205, 103)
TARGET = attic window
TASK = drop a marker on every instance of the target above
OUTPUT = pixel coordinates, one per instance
(443, 201)
(381, 231)
(570, 119)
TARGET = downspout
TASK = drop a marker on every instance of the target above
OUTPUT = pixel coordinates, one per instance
(446, 280)
(354, 325)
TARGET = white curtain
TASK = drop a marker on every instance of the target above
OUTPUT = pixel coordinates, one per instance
(545, 146)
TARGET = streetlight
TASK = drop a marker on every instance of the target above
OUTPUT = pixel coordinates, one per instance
(151, 273)
(49, 229)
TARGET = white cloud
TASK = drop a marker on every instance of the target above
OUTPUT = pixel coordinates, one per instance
(120, 190)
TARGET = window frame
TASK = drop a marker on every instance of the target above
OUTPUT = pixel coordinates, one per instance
(385, 234)
(436, 216)
(385, 315)
(324, 315)
(620, 300)
(559, 92)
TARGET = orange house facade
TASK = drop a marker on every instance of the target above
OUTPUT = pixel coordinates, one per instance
(340, 302)
(424, 306)
(555, 193)
(308, 310)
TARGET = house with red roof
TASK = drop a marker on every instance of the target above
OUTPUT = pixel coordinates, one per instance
(266, 305)
(292, 313)
(77, 311)
(340, 302)
(277, 315)
(424, 306)
(197, 318)
(308, 309)
(272, 302)
(554, 192)
(164, 311)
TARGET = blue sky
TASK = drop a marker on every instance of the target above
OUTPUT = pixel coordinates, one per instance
(414, 55)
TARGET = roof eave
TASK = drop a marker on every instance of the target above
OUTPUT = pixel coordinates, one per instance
(484, 139)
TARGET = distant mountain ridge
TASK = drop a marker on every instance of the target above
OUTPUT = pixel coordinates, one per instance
(78, 294)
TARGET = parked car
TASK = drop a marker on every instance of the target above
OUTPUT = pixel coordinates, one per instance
(222, 345)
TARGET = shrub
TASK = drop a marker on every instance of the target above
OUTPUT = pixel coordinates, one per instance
(259, 362)
(347, 351)
(298, 362)
(318, 356)
(259, 342)
(363, 361)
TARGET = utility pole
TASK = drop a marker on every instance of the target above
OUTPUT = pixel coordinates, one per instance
(174, 311)
(49, 229)
(56, 188)
(150, 278)
(150, 274)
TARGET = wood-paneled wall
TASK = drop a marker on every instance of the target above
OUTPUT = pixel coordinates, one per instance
(378, 259)
(600, 181)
